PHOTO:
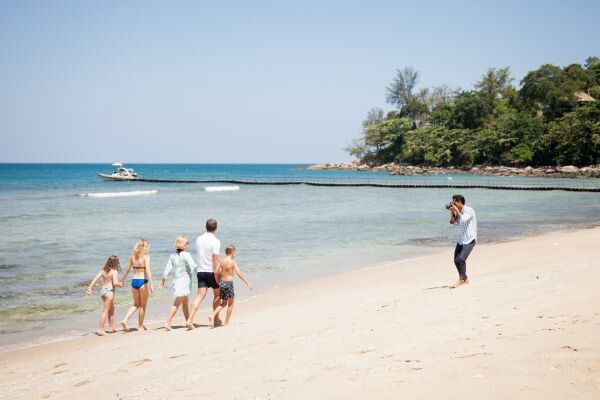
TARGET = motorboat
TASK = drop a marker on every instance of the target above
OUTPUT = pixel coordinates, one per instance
(121, 173)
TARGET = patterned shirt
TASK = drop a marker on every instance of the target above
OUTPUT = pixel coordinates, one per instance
(467, 224)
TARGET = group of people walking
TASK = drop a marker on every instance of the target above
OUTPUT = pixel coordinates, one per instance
(217, 274)
(211, 272)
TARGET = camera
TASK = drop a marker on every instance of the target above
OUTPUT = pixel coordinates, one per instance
(448, 205)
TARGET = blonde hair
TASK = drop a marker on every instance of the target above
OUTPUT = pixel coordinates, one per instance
(141, 248)
(180, 243)
(229, 249)
(112, 263)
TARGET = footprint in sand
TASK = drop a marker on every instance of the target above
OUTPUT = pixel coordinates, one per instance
(365, 351)
(81, 383)
(139, 362)
(178, 355)
(60, 364)
(569, 348)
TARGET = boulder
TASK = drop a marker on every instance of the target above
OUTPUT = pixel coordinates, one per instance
(569, 169)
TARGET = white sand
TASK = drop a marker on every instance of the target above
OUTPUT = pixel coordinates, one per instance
(528, 326)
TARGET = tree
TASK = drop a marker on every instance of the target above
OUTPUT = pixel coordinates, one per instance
(494, 83)
(470, 111)
(575, 138)
(416, 108)
(385, 139)
(374, 116)
(593, 64)
(358, 148)
(581, 79)
(400, 90)
(439, 146)
(549, 91)
(439, 97)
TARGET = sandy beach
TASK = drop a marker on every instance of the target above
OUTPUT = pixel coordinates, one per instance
(528, 326)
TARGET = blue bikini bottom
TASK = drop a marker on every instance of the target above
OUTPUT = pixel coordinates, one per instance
(138, 283)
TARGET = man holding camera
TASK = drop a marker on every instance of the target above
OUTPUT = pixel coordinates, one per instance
(464, 219)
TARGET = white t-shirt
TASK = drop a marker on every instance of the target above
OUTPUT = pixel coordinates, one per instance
(206, 246)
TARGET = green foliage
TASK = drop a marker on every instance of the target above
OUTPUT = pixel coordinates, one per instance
(401, 88)
(439, 147)
(521, 154)
(594, 91)
(549, 91)
(470, 111)
(575, 138)
(415, 109)
(385, 138)
(494, 84)
(542, 123)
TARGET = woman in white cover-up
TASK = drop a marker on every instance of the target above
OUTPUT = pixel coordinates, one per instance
(182, 264)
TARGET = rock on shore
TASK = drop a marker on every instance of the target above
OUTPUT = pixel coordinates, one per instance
(569, 171)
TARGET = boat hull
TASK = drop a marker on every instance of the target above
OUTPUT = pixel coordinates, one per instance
(108, 177)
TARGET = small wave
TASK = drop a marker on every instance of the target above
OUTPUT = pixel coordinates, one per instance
(221, 188)
(119, 194)
(438, 241)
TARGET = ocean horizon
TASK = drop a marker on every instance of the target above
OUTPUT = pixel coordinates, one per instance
(59, 223)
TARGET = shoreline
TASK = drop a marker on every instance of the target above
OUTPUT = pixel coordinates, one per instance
(87, 321)
(525, 325)
(569, 171)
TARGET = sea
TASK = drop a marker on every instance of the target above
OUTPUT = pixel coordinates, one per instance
(60, 222)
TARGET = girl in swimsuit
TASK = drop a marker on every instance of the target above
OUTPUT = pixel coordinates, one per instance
(142, 275)
(107, 293)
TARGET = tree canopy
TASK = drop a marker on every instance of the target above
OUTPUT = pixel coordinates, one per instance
(553, 118)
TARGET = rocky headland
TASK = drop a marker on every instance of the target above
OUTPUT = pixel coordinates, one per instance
(568, 171)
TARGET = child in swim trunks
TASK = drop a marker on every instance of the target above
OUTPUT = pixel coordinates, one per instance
(227, 268)
(107, 292)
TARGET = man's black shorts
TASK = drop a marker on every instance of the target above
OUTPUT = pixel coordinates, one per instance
(207, 279)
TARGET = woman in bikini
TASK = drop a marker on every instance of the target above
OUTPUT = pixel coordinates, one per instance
(141, 284)
(107, 293)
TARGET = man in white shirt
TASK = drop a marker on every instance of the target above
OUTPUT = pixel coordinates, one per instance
(207, 249)
(464, 219)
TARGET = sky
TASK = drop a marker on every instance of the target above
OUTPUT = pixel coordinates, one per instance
(248, 82)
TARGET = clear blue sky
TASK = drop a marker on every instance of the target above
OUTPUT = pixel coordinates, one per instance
(253, 81)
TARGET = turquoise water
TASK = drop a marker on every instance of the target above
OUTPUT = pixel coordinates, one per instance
(59, 222)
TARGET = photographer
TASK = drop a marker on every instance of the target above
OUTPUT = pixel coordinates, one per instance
(464, 219)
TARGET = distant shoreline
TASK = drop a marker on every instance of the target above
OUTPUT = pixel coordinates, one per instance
(569, 171)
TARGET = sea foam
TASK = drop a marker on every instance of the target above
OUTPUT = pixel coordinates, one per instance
(119, 194)
(221, 188)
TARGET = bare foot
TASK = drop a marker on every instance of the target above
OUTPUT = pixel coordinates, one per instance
(124, 325)
(167, 327)
(101, 332)
(113, 329)
(142, 328)
(459, 283)
(189, 325)
(211, 322)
